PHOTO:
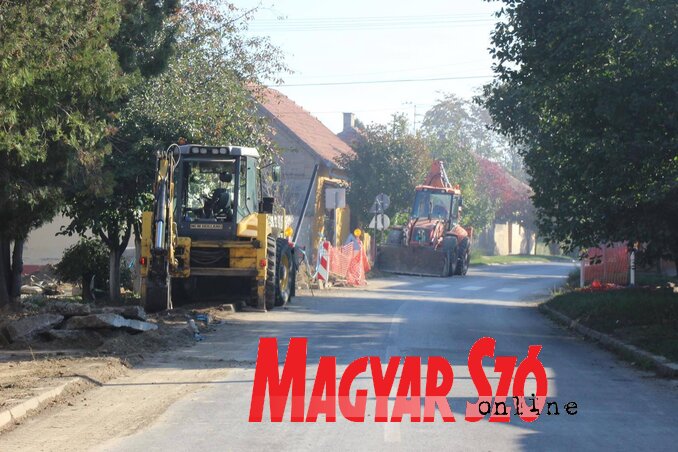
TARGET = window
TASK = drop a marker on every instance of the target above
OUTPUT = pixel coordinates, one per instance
(435, 205)
(208, 193)
(249, 187)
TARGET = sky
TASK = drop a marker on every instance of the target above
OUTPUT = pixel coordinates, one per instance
(331, 45)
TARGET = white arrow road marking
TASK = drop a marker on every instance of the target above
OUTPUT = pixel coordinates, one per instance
(508, 290)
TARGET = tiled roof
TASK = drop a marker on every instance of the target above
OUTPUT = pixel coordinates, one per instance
(304, 126)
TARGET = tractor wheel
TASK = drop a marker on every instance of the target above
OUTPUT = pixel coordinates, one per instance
(447, 262)
(270, 273)
(284, 273)
(395, 237)
(462, 266)
(464, 258)
(450, 246)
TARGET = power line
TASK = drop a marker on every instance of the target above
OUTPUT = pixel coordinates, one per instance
(373, 82)
(401, 71)
(367, 23)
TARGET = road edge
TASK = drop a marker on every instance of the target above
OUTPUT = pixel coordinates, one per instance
(23, 410)
(661, 365)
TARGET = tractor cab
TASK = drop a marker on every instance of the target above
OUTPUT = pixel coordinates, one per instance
(216, 189)
(437, 205)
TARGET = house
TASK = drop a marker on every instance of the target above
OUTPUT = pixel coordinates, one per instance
(303, 142)
(44, 246)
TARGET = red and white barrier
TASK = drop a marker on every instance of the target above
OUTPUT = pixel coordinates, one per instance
(323, 268)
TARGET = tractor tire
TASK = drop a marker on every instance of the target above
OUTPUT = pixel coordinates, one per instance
(395, 237)
(284, 273)
(449, 245)
(447, 262)
(270, 287)
(464, 258)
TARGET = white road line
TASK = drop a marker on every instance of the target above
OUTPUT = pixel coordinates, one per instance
(436, 286)
(508, 290)
(392, 432)
(472, 288)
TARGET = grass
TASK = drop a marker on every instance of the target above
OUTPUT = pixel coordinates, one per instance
(477, 259)
(645, 317)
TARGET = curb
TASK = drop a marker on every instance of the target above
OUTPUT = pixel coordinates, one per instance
(20, 411)
(663, 366)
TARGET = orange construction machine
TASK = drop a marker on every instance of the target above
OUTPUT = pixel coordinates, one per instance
(433, 243)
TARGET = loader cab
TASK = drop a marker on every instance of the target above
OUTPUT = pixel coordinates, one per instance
(437, 205)
(215, 188)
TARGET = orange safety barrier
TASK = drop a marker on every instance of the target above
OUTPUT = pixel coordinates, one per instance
(607, 265)
(349, 264)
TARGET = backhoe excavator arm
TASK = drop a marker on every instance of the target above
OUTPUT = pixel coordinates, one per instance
(159, 237)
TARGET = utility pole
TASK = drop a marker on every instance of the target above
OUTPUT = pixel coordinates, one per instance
(414, 120)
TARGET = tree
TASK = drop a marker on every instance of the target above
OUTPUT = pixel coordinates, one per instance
(461, 167)
(589, 90)
(469, 126)
(108, 201)
(389, 160)
(58, 70)
(204, 95)
(512, 197)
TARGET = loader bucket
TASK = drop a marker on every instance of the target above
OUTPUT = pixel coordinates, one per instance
(413, 260)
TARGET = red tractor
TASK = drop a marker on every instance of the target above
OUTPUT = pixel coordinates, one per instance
(432, 243)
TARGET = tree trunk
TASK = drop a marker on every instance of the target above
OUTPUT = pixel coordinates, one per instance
(114, 275)
(5, 272)
(17, 269)
(116, 246)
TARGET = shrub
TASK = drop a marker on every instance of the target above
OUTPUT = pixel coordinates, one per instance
(83, 261)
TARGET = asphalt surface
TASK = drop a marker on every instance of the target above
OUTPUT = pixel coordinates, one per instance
(619, 407)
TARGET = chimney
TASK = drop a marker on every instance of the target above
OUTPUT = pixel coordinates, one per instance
(349, 121)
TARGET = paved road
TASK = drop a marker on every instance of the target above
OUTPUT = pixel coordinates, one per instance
(619, 407)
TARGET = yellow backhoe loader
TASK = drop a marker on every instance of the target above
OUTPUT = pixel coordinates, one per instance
(208, 233)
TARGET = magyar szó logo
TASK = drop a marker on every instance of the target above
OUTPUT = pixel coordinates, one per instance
(326, 396)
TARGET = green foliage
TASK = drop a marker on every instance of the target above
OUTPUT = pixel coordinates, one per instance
(57, 76)
(468, 125)
(461, 167)
(389, 160)
(400, 219)
(145, 41)
(588, 89)
(86, 259)
(56, 70)
(477, 258)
